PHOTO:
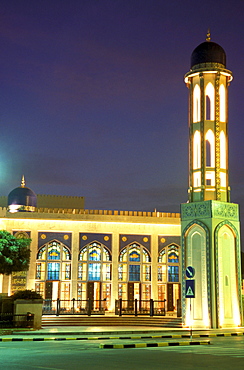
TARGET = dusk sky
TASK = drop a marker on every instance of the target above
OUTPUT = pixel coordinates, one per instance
(93, 103)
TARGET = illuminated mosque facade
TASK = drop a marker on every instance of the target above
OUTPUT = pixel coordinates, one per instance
(103, 254)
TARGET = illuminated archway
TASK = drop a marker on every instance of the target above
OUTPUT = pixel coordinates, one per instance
(196, 104)
(209, 102)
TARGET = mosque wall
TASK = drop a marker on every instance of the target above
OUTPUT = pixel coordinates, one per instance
(145, 240)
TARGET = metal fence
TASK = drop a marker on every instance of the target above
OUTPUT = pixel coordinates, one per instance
(74, 307)
(90, 307)
(136, 307)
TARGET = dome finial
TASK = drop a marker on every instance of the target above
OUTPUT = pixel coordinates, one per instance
(208, 37)
(23, 181)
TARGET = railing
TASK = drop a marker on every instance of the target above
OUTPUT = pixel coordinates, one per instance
(90, 307)
(9, 320)
(73, 307)
(140, 307)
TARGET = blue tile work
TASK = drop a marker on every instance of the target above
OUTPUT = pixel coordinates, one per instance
(164, 240)
(88, 238)
(19, 232)
(45, 237)
(144, 240)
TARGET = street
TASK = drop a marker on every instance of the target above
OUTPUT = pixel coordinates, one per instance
(223, 353)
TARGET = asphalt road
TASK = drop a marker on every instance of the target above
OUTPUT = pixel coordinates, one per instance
(223, 353)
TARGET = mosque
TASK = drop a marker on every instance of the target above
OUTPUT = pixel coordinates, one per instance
(107, 255)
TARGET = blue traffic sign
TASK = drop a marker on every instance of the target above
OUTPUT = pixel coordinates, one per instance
(190, 288)
(190, 272)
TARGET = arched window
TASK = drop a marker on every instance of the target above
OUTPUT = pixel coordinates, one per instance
(210, 149)
(196, 104)
(208, 154)
(173, 254)
(53, 262)
(168, 260)
(222, 103)
(134, 264)
(209, 102)
(162, 256)
(222, 150)
(95, 263)
(196, 150)
(168, 277)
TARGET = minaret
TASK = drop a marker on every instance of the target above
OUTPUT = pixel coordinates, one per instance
(210, 223)
(208, 82)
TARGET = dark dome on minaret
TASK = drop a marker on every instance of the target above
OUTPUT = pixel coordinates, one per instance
(208, 52)
(22, 199)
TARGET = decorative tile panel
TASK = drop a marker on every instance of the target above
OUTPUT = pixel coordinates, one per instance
(45, 237)
(88, 238)
(164, 240)
(225, 210)
(210, 208)
(144, 240)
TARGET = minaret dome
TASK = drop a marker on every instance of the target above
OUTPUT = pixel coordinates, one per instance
(208, 52)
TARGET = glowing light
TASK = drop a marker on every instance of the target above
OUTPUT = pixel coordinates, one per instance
(196, 179)
(222, 179)
(177, 224)
(196, 103)
(222, 103)
(13, 208)
(209, 93)
(186, 79)
(222, 150)
(211, 139)
(229, 75)
(197, 150)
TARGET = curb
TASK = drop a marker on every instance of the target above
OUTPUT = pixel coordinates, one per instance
(173, 336)
(144, 345)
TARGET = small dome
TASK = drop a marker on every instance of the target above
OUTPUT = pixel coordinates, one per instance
(22, 199)
(208, 52)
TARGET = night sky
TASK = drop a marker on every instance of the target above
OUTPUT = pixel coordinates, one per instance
(93, 103)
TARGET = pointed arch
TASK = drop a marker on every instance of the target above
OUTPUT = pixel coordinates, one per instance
(196, 104)
(53, 262)
(210, 149)
(195, 252)
(228, 279)
(209, 102)
(134, 264)
(197, 150)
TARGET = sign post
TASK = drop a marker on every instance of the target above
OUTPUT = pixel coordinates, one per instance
(190, 289)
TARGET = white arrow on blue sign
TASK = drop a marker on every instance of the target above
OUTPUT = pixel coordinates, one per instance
(190, 288)
(190, 272)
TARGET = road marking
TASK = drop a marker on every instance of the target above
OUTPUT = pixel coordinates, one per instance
(170, 336)
(151, 344)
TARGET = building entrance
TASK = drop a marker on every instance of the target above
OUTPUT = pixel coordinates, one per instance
(173, 294)
(134, 292)
(52, 290)
(94, 293)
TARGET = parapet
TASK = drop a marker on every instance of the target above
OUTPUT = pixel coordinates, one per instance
(103, 212)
